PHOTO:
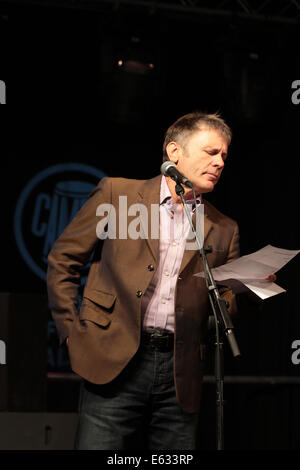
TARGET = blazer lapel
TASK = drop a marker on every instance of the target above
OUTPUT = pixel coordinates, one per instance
(208, 225)
(150, 198)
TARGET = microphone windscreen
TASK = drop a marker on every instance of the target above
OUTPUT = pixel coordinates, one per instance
(165, 166)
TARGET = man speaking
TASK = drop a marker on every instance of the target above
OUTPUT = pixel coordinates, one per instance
(138, 338)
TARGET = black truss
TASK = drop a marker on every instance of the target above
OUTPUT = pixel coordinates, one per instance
(283, 11)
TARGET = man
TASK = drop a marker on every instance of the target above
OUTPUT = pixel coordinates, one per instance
(138, 339)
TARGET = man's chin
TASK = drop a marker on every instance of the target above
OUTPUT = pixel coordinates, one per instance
(202, 189)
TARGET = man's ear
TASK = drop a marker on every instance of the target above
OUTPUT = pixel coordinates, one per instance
(172, 150)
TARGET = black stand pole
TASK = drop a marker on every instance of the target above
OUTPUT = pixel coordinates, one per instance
(221, 316)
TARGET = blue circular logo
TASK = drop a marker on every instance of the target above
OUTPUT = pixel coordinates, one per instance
(45, 207)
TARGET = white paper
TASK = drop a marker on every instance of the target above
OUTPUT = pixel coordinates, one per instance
(264, 289)
(252, 270)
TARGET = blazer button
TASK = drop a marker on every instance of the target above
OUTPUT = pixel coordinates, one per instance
(139, 293)
(150, 267)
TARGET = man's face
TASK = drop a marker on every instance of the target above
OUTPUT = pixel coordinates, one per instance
(201, 158)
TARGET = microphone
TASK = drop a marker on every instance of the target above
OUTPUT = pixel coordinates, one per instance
(169, 169)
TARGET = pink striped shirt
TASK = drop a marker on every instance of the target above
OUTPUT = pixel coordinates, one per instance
(158, 300)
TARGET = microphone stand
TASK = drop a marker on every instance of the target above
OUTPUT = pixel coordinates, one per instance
(222, 319)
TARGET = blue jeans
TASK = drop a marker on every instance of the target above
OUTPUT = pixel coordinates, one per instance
(137, 410)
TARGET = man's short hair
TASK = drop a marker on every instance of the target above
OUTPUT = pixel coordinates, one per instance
(192, 122)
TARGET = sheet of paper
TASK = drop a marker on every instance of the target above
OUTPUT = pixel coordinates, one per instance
(251, 270)
(264, 289)
(272, 256)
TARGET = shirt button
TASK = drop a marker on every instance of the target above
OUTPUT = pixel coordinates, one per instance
(166, 273)
(163, 301)
(139, 293)
(150, 267)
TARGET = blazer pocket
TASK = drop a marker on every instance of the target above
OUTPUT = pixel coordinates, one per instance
(97, 306)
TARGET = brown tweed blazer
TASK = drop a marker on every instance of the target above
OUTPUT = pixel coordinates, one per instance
(104, 334)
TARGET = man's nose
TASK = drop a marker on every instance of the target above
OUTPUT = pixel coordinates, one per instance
(218, 161)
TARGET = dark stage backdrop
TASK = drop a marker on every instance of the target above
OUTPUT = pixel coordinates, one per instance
(91, 94)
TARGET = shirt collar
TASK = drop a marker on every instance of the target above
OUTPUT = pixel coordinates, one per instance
(166, 197)
(165, 194)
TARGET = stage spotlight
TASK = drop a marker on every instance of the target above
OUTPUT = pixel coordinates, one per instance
(135, 66)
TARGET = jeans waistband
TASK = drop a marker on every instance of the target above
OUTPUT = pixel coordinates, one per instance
(162, 340)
